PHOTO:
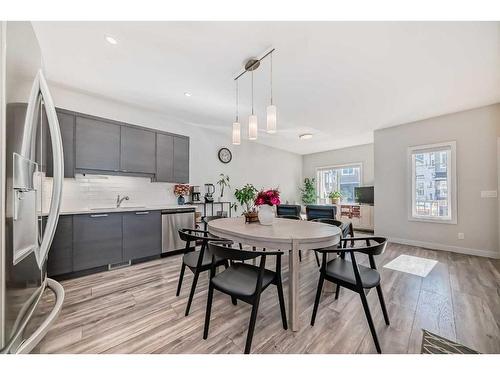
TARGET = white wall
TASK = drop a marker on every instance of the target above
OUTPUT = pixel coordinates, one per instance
(357, 154)
(263, 166)
(475, 133)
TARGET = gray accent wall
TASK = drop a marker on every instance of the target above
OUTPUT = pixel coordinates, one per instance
(475, 132)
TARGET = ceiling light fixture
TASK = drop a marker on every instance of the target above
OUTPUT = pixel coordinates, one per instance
(110, 39)
(305, 136)
(271, 109)
(236, 123)
(253, 128)
(188, 94)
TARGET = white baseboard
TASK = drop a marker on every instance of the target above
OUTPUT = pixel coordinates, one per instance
(453, 249)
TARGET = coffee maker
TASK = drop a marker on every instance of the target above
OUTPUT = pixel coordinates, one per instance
(209, 191)
(195, 194)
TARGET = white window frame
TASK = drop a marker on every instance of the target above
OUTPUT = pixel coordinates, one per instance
(451, 180)
(338, 166)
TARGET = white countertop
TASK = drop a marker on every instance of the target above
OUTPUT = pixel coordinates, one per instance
(98, 210)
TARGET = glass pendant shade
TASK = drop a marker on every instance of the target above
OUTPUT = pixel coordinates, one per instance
(252, 127)
(236, 133)
(271, 119)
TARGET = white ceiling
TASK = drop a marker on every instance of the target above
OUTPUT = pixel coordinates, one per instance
(337, 80)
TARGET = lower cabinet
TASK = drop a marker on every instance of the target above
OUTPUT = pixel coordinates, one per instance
(60, 259)
(97, 240)
(141, 234)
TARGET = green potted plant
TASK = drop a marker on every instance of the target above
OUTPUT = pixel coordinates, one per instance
(308, 191)
(246, 197)
(335, 196)
(223, 182)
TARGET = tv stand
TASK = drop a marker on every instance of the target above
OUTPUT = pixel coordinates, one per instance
(359, 214)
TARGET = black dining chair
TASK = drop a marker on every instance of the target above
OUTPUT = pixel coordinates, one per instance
(346, 228)
(288, 209)
(197, 261)
(243, 281)
(319, 211)
(354, 277)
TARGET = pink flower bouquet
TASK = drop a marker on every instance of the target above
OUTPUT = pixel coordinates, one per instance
(270, 197)
(181, 190)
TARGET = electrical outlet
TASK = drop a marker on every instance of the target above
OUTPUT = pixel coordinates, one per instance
(461, 236)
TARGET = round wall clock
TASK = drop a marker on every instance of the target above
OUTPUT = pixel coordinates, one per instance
(225, 155)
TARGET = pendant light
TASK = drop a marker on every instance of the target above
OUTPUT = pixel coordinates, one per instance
(236, 124)
(271, 109)
(252, 121)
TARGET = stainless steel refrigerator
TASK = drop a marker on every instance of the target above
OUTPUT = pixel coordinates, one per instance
(29, 126)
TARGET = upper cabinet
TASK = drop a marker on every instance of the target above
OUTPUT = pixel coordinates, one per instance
(137, 150)
(97, 145)
(164, 157)
(181, 159)
(67, 126)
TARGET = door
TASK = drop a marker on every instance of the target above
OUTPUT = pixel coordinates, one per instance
(181, 159)
(164, 158)
(137, 150)
(97, 145)
(67, 125)
(141, 234)
(60, 260)
(97, 240)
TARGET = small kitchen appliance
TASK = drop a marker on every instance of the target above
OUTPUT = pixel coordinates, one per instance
(195, 194)
(209, 191)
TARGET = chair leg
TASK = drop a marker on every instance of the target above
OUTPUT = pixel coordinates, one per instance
(300, 256)
(337, 291)
(234, 301)
(279, 287)
(209, 311)
(191, 294)
(251, 326)
(181, 276)
(370, 320)
(318, 296)
(382, 303)
(317, 258)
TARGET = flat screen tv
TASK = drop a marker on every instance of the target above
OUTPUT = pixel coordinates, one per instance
(363, 194)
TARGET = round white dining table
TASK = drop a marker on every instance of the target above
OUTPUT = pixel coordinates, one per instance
(284, 234)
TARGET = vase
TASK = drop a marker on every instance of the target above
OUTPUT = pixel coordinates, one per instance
(180, 200)
(266, 214)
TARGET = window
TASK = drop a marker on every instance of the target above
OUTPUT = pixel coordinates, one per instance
(433, 193)
(343, 178)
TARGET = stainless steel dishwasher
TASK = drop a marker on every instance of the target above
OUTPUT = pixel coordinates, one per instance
(172, 220)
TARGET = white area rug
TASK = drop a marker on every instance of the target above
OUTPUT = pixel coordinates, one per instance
(410, 264)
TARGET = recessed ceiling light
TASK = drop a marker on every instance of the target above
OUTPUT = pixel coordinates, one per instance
(188, 94)
(305, 136)
(110, 39)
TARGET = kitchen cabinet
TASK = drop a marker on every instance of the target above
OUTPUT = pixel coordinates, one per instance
(97, 240)
(164, 157)
(141, 234)
(67, 126)
(137, 150)
(181, 159)
(97, 145)
(60, 259)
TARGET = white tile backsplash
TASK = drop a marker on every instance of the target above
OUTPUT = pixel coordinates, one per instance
(97, 191)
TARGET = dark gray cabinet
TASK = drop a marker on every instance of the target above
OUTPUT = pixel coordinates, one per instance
(97, 145)
(141, 234)
(97, 240)
(164, 157)
(67, 126)
(60, 259)
(181, 159)
(137, 150)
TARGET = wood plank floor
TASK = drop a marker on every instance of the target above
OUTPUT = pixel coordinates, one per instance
(135, 310)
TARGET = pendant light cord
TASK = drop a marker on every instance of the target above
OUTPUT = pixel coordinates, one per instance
(271, 79)
(252, 92)
(237, 98)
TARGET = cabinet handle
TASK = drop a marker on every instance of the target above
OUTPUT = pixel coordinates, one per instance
(99, 215)
(142, 213)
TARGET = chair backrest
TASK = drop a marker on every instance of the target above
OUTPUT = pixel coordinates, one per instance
(231, 253)
(189, 235)
(206, 219)
(288, 209)
(337, 223)
(375, 245)
(316, 211)
(291, 217)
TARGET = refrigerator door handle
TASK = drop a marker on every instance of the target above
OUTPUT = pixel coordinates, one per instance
(40, 87)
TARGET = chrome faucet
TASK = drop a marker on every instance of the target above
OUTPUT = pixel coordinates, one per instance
(119, 200)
